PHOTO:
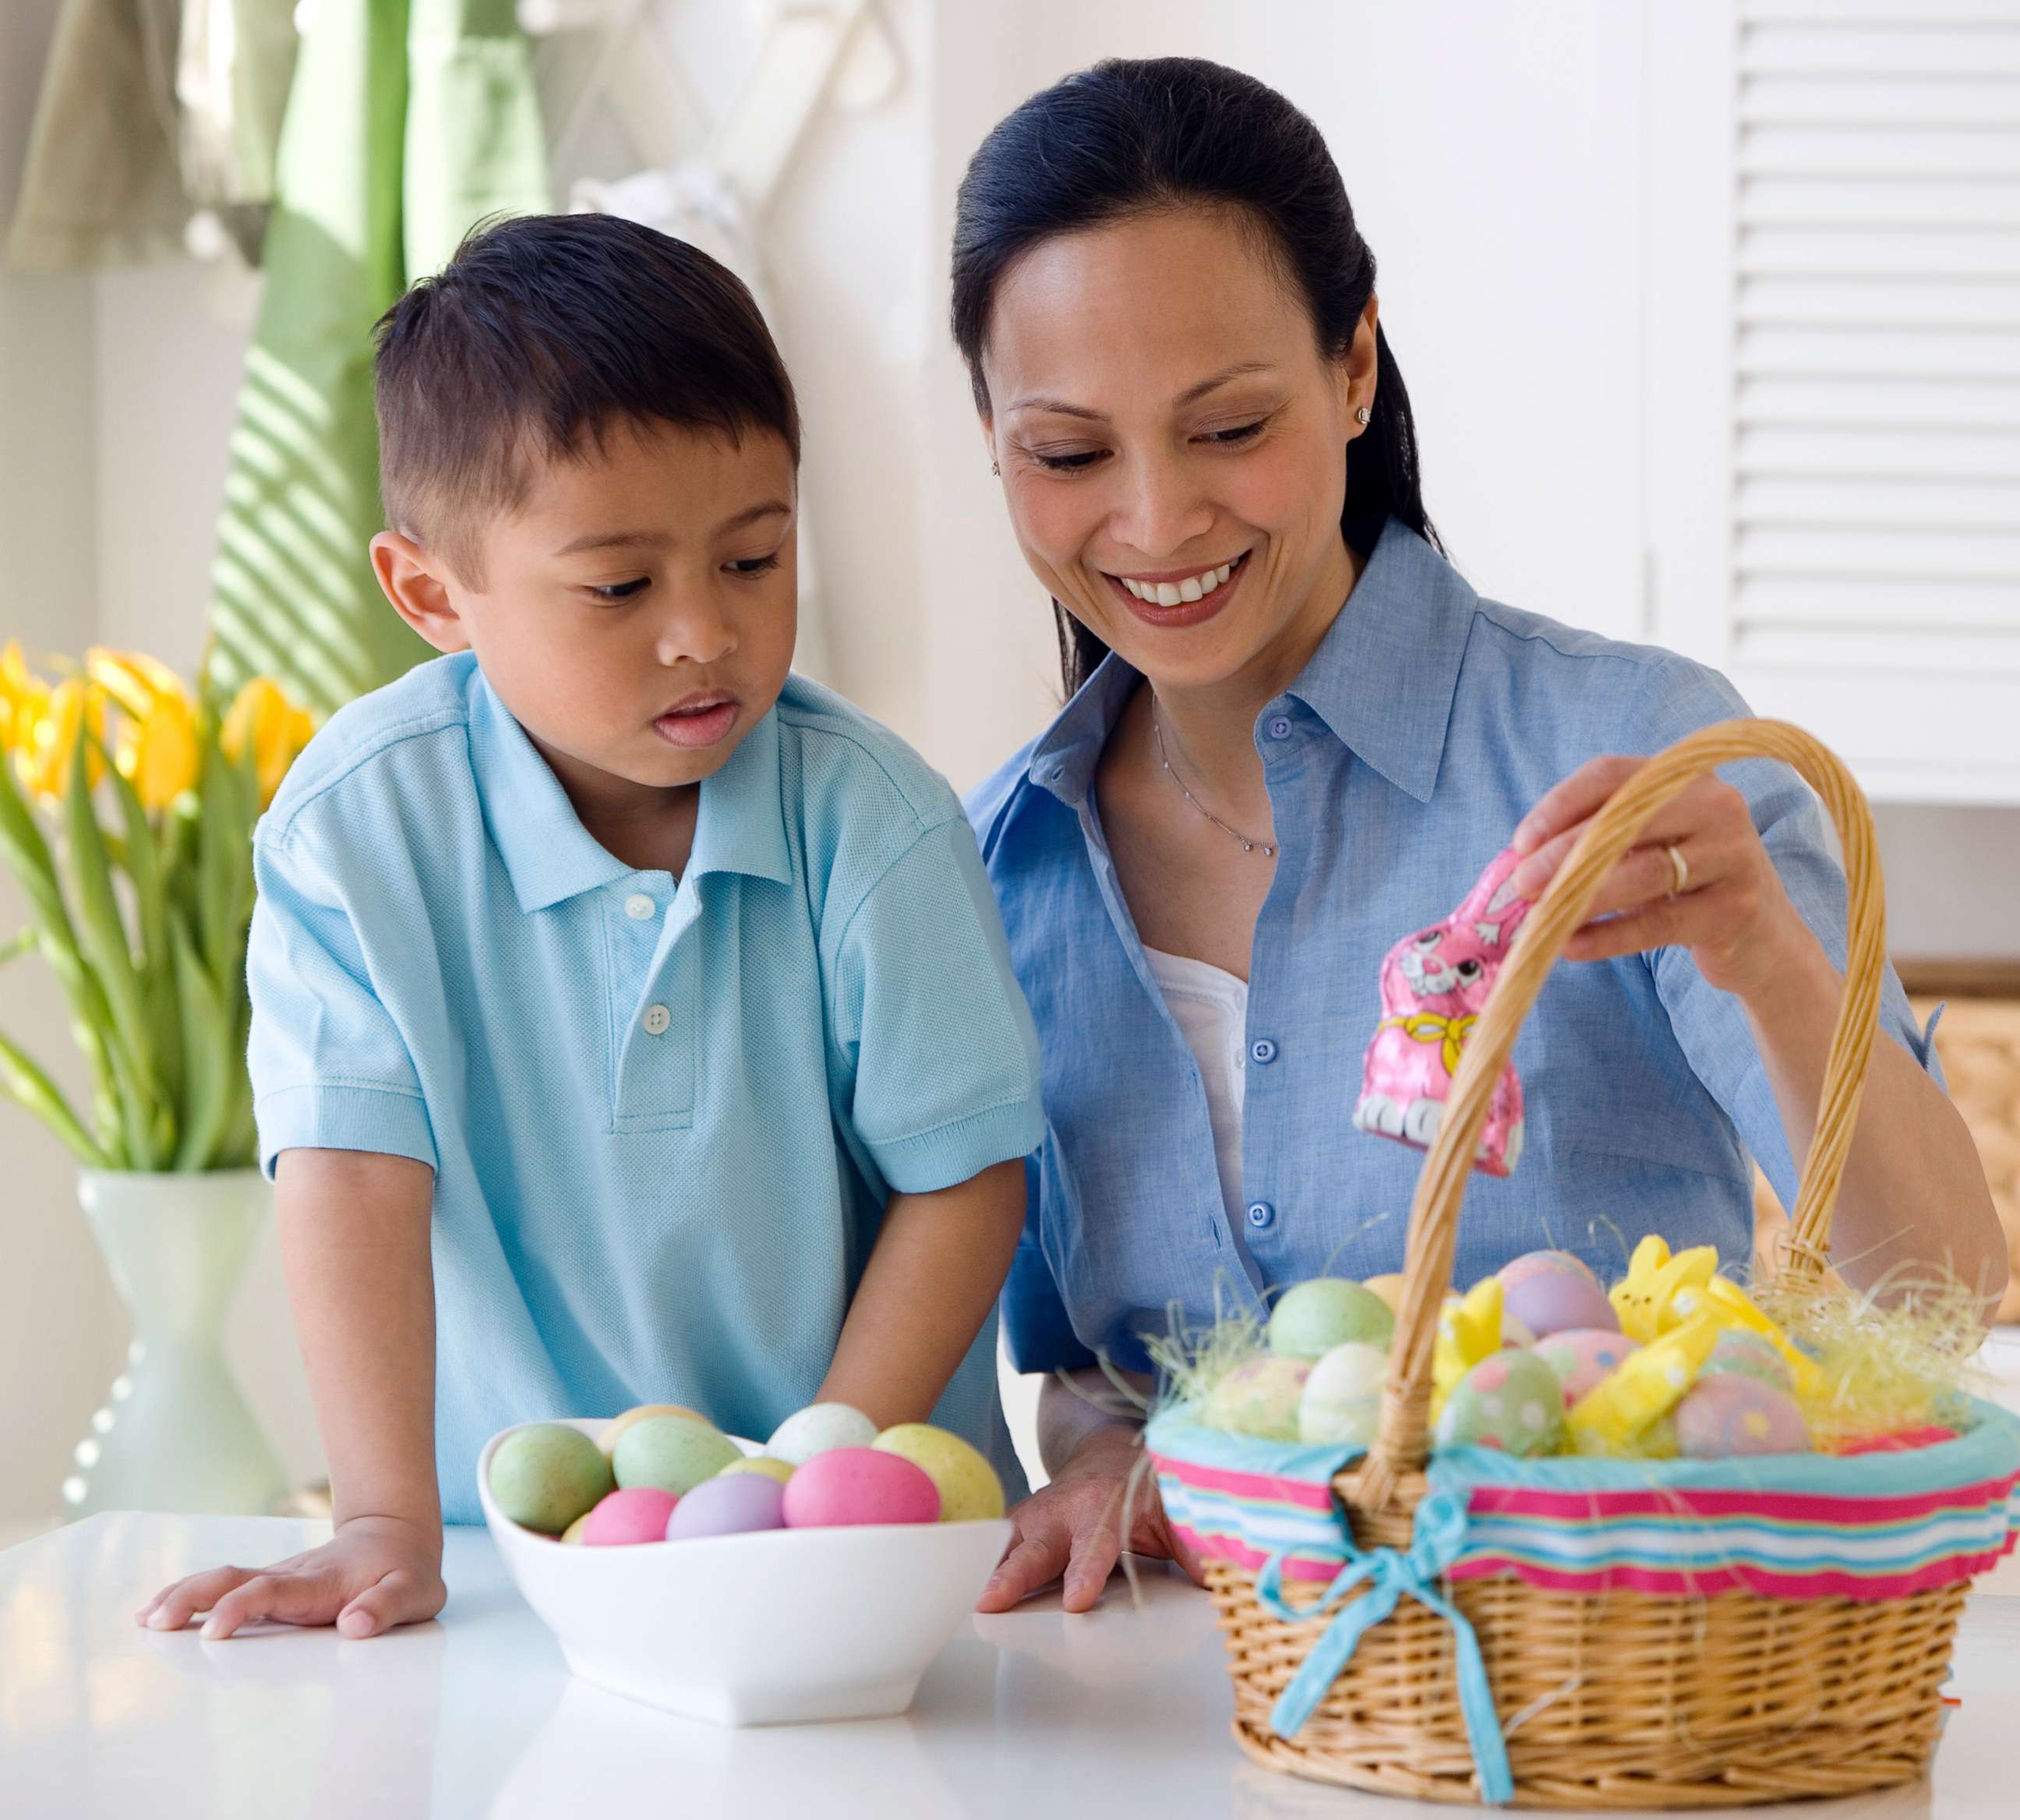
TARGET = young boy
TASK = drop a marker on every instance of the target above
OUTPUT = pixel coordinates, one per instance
(631, 1020)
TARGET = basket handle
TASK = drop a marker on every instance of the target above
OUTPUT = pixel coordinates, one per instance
(1401, 1442)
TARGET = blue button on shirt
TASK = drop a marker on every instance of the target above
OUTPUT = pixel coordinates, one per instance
(664, 1116)
(1427, 723)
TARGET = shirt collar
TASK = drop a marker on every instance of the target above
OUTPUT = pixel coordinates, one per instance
(550, 856)
(1381, 679)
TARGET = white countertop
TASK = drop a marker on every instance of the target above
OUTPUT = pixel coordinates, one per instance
(1035, 1715)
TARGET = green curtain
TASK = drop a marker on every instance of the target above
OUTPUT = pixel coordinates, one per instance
(407, 121)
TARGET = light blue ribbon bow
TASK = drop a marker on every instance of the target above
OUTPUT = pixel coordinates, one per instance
(1435, 1542)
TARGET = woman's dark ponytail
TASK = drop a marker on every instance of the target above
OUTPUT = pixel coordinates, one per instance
(1129, 136)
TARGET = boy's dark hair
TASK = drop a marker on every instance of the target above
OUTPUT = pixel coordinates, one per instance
(542, 334)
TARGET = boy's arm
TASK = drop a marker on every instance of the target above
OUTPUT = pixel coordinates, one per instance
(354, 1229)
(937, 1267)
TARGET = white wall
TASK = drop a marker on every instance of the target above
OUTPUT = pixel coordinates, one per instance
(1493, 155)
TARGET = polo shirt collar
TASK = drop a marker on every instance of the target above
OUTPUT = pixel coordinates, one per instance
(1381, 679)
(550, 856)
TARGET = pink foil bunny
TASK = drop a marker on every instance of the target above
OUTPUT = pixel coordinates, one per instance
(1434, 985)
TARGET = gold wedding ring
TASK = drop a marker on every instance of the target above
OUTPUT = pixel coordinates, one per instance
(1680, 872)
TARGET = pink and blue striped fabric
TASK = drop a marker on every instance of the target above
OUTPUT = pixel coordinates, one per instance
(1803, 1526)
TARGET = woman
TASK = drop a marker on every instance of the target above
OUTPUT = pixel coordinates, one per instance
(1295, 733)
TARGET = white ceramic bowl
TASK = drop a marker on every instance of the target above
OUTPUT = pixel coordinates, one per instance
(784, 1626)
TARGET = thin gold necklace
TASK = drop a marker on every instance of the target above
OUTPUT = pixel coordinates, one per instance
(1163, 759)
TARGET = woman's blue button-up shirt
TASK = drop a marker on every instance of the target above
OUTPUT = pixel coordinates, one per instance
(1427, 723)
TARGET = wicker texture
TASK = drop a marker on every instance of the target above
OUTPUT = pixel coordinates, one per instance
(1619, 1699)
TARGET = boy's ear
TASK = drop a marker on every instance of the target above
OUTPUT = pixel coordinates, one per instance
(414, 585)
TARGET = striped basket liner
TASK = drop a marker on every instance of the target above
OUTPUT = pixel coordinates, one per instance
(1868, 1527)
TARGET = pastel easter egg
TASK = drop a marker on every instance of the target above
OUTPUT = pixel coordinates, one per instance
(1313, 1317)
(1738, 1353)
(729, 1504)
(1556, 1302)
(1389, 1286)
(1258, 1398)
(763, 1464)
(1532, 1265)
(1510, 1401)
(1582, 1355)
(1731, 1415)
(856, 1485)
(1341, 1404)
(613, 1430)
(818, 1428)
(673, 1453)
(630, 1514)
(572, 1534)
(968, 1487)
(545, 1476)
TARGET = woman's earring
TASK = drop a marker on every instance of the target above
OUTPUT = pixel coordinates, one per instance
(996, 468)
(1364, 416)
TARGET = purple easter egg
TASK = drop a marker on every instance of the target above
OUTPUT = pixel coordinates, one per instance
(1531, 1264)
(1722, 1417)
(1555, 1301)
(1582, 1357)
(733, 1506)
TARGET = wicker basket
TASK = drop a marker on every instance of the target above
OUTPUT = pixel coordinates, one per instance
(1617, 1698)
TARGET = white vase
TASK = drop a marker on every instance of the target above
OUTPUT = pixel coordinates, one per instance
(175, 1434)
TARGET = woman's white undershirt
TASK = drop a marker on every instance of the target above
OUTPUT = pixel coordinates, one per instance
(1211, 1008)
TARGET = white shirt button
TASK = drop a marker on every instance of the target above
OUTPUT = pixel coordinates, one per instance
(657, 1019)
(638, 906)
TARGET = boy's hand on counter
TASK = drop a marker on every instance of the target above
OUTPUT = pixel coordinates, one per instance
(1072, 1530)
(374, 1573)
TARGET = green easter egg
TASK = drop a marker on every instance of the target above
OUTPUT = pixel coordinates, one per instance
(671, 1453)
(545, 1476)
(1313, 1318)
(1510, 1401)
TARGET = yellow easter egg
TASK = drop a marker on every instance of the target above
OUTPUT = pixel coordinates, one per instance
(573, 1532)
(1388, 1287)
(614, 1430)
(763, 1464)
(968, 1487)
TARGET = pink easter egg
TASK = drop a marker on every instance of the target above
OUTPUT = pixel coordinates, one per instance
(1725, 1417)
(636, 1513)
(854, 1485)
(1531, 1264)
(1581, 1356)
(1555, 1301)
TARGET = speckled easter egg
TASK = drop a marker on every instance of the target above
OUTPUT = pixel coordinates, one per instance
(763, 1464)
(545, 1476)
(1739, 1354)
(673, 1453)
(1555, 1301)
(968, 1487)
(818, 1428)
(1342, 1402)
(1532, 1265)
(1312, 1318)
(854, 1485)
(1581, 1356)
(729, 1504)
(630, 1514)
(1722, 1417)
(1510, 1401)
(614, 1430)
(1258, 1398)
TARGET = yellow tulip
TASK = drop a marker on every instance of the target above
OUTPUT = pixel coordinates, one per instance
(264, 722)
(23, 697)
(42, 753)
(158, 753)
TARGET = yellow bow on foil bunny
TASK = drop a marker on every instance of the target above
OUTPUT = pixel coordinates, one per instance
(1427, 1026)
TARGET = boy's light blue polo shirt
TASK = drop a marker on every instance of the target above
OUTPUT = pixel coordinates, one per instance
(664, 1117)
